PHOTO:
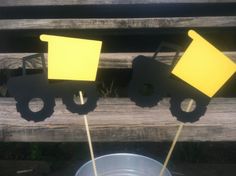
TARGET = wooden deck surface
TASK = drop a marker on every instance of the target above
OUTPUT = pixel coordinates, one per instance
(119, 120)
(118, 23)
(107, 60)
(10, 3)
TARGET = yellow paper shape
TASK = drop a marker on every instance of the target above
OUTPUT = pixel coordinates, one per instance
(203, 66)
(72, 58)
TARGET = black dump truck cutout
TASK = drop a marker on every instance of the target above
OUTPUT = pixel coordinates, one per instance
(192, 77)
(27, 87)
(152, 80)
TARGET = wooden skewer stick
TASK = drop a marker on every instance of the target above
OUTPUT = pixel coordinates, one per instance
(89, 137)
(175, 140)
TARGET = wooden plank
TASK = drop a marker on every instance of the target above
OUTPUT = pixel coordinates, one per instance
(107, 60)
(203, 169)
(118, 23)
(12, 167)
(13, 3)
(176, 168)
(119, 120)
(24, 167)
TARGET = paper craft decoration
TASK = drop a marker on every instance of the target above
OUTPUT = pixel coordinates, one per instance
(75, 62)
(203, 66)
(152, 80)
(72, 58)
(200, 67)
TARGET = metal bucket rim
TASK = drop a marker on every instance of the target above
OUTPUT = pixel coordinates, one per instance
(122, 154)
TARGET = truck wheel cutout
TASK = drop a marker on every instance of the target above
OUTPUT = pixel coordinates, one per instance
(182, 115)
(90, 102)
(144, 94)
(47, 110)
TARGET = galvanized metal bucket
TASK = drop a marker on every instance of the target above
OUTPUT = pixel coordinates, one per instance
(123, 164)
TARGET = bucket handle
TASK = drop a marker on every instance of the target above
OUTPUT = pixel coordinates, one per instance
(27, 58)
(175, 47)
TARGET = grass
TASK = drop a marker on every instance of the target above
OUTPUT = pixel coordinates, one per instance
(108, 90)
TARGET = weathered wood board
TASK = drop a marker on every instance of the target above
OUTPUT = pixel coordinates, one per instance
(107, 60)
(9, 3)
(119, 120)
(118, 23)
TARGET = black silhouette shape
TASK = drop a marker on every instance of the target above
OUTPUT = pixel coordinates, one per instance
(27, 87)
(152, 80)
